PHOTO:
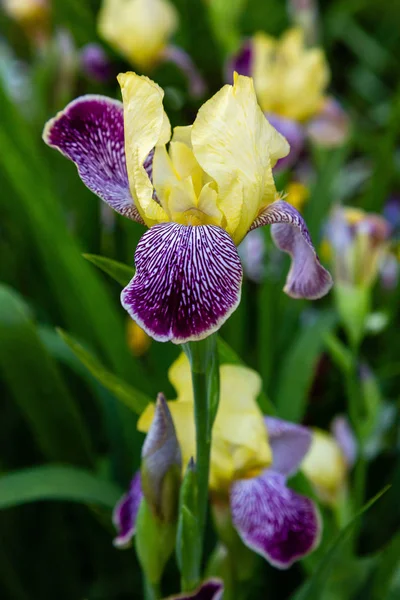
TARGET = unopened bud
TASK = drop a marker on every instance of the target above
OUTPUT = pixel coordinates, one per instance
(162, 464)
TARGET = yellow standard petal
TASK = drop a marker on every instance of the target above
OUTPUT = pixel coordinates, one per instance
(236, 146)
(138, 29)
(145, 126)
(239, 443)
(325, 466)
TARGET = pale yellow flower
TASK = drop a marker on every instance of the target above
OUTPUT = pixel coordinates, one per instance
(207, 176)
(138, 29)
(325, 466)
(290, 79)
(240, 446)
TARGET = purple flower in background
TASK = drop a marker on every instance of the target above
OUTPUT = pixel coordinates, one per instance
(95, 63)
(199, 199)
(290, 82)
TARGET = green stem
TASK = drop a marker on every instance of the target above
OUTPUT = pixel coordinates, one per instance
(204, 365)
(151, 590)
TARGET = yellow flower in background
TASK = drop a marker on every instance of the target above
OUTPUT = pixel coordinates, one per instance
(138, 29)
(325, 466)
(297, 194)
(240, 446)
(290, 79)
(137, 339)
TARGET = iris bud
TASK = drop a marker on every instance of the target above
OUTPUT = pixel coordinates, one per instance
(161, 464)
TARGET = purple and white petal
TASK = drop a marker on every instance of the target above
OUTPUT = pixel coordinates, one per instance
(241, 62)
(273, 520)
(289, 444)
(307, 278)
(187, 282)
(295, 135)
(125, 513)
(212, 589)
(90, 132)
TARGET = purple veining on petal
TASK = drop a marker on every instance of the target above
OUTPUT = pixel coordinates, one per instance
(187, 282)
(95, 63)
(307, 278)
(289, 444)
(212, 589)
(345, 437)
(273, 520)
(90, 132)
(125, 513)
(295, 135)
(241, 62)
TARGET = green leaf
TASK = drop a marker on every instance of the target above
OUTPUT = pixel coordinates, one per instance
(128, 395)
(117, 270)
(386, 570)
(297, 371)
(56, 482)
(33, 378)
(312, 589)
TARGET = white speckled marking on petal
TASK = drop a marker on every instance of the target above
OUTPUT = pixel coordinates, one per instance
(273, 520)
(90, 132)
(187, 282)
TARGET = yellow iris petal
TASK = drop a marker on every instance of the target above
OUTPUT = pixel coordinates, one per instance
(138, 29)
(236, 146)
(239, 443)
(325, 466)
(145, 125)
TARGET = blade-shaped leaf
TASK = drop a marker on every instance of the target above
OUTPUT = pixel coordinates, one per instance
(298, 367)
(35, 383)
(56, 482)
(312, 589)
(117, 270)
(132, 398)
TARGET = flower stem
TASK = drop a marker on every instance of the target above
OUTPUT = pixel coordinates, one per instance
(205, 380)
(151, 590)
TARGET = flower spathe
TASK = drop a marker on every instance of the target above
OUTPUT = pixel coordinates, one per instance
(199, 197)
(138, 29)
(271, 519)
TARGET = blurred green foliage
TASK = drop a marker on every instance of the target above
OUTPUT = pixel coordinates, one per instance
(70, 402)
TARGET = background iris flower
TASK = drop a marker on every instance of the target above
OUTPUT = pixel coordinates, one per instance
(290, 82)
(251, 459)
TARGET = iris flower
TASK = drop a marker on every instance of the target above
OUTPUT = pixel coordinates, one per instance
(199, 198)
(141, 30)
(329, 459)
(290, 81)
(251, 459)
(357, 243)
